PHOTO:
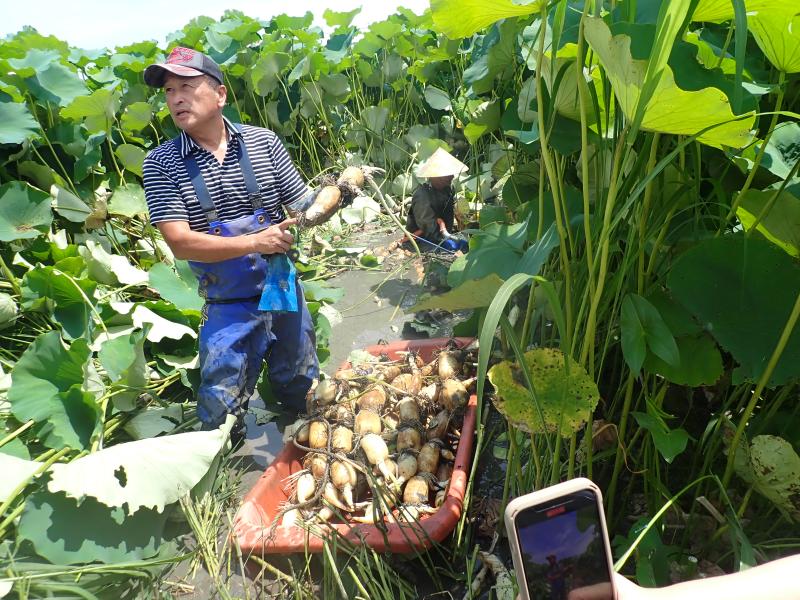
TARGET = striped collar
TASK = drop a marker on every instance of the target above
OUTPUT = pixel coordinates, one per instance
(188, 145)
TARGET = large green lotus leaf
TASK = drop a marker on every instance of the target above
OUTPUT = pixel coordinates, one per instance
(643, 329)
(131, 156)
(336, 86)
(778, 36)
(136, 116)
(565, 400)
(267, 71)
(781, 153)
(474, 293)
(24, 211)
(153, 422)
(671, 109)
(772, 467)
(65, 532)
(46, 387)
(15, 472)
(437, 98)
(110, 269)
(781, 225)
(128, 201)
(8, 310)
(35, 60)
(339, 19)
(717, 11)
(178, 285)
(16, 123)
(97, 110)
(126, 365)
(68, 205)
(462, 18)
(742, 291)
(484, 118)
(56, 83)
(700, 362)
(150, 473)
(69, 296)
(679, 320)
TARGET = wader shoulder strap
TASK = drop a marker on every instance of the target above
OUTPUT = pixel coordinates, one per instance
(250, 181)
(199, 184)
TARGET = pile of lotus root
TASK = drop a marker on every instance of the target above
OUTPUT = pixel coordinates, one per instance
(380, 439)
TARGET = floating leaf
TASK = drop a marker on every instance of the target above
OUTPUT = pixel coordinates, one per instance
(150, 473)
(566, 399)
(15, 472)
(16, 123)
(642, 329)
(46, 387)
(24, 211)
(670, 109)
(742, 291)
(700, 362)
(780, 225)
(462, 18)
(772, 467)
(474, 293)
(66, 532)
(178, 285)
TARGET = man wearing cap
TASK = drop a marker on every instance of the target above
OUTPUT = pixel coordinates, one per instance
(433, 203)
(217, 193)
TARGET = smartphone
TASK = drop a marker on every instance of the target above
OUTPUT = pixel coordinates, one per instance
(559, 543)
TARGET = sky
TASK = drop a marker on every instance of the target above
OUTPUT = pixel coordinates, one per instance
(108, 23)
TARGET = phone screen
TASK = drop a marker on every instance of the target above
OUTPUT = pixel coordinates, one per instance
(563, 550)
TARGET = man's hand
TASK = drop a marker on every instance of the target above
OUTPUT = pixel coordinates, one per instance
(275, 239)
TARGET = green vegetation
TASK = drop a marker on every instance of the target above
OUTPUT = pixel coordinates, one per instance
(636, 168)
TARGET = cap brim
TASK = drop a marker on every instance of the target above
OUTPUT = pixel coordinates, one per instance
(154, 75)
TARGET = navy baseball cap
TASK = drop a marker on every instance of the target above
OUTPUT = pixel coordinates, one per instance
(184, 62)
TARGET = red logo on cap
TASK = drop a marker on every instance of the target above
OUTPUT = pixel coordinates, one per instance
(180, 55)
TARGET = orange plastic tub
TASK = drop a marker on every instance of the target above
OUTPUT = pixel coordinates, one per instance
(263, 502)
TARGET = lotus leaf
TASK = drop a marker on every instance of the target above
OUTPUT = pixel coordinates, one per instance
(136, 116)
(437, 98)
(97, 110)
(68, 205)
(150, 473)
(154, 421)
(24, 211)
(110, 269)
(15, 471)
(72, 298)
(16, 123)
(46, 386)
(66, 532)
(128, 201)
(473, 293)
(670, 109)
(178, 285)
(126, 366)
(462, 18)
(58, 84)
(772, 467)
(717, 11)
(742, 291)
(8, 310)
(780, 225)
(566, 398)
(131, 157)
(374, 118)
(778, 36)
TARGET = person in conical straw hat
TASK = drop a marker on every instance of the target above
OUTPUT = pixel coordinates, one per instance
(433, 203)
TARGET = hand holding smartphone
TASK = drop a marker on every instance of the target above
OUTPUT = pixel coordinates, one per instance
(559, 543)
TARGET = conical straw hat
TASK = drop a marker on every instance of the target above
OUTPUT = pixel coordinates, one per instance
(441, 164)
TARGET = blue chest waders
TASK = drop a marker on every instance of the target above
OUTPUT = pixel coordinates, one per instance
(254, 310)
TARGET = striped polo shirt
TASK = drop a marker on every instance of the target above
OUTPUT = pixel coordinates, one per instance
(170, 195)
